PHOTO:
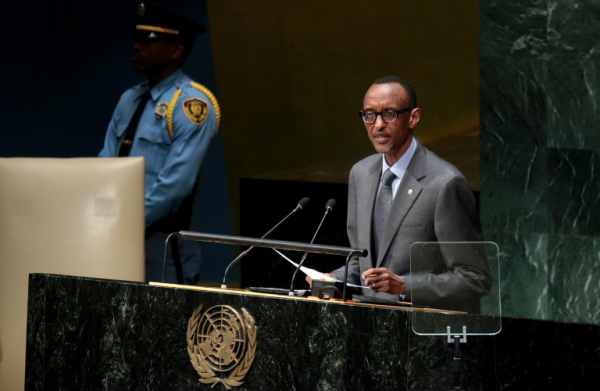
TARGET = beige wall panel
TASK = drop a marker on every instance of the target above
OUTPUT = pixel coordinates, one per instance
(82, 217)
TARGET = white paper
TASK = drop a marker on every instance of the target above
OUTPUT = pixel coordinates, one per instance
(316, 275)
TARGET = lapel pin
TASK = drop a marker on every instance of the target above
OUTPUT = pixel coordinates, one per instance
(409, 191)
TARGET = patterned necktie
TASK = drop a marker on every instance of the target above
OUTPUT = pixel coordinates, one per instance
(382, 210)
(133, 124)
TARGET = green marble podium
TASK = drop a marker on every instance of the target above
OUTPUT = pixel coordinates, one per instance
(90, 334)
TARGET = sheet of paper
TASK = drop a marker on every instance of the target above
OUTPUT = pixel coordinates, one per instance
(316, 275)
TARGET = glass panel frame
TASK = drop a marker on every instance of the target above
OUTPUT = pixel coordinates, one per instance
(455, 284)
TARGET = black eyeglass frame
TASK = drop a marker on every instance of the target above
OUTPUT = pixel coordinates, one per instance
(398, 112)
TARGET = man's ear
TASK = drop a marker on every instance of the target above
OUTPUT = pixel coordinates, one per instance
(177, 49)
(415, 116)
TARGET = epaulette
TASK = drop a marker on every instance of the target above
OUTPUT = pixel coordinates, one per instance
(206, 92)
(170, 111)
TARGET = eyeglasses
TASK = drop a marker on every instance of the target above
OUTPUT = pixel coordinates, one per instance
(388, 115)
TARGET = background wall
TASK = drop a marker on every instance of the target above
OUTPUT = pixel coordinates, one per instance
(292, 76)
(540, 144)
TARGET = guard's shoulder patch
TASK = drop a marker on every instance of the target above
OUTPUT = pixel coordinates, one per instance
(196, 110)
(212, 99)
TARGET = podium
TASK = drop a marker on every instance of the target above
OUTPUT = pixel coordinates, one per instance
(92, 334)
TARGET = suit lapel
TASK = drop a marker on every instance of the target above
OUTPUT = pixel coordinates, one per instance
(371, 187)
(403, 201)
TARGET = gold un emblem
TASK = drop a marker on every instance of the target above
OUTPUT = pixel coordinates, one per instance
(221, 340)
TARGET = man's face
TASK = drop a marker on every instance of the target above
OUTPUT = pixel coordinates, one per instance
(390, 138)
(152, 55)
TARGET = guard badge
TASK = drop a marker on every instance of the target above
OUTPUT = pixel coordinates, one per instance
(196, 110)
(161, 110)
(221, 344)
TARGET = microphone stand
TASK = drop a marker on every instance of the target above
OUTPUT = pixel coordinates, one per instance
(328, 209)
(176, 235)
(303, 203)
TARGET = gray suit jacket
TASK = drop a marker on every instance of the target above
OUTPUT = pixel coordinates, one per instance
(440, 208)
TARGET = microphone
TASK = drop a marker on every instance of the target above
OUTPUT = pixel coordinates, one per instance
(330, 205)
(328, 208)
(303, 203)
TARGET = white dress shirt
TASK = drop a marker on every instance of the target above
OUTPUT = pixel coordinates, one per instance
(399, 168)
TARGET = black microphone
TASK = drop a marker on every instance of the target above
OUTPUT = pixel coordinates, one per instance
(303, 203)
(328, 208)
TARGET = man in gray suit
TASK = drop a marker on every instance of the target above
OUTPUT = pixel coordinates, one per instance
(407, 194)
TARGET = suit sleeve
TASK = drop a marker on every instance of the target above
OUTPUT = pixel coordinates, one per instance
(176, 179)
(353, 265)
(465, 276)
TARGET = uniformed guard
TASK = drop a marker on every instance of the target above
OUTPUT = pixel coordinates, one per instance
(169, 120)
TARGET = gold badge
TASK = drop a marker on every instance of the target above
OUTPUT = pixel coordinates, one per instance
(161, 110)
(221, 340)
(196, 110)
(409, 191)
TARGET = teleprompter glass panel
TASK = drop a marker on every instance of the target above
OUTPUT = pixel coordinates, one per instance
(456, 285)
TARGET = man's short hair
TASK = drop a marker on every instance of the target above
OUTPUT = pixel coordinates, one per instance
(410, 90)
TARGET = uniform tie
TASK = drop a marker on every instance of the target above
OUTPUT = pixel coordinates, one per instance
(133, 124)
(382, 210)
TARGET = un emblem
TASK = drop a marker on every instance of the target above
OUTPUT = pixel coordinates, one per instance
(221, 340)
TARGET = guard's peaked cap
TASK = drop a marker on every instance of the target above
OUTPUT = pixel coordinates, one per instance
(158, 22)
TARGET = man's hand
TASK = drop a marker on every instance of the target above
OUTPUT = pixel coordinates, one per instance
(309, 280)
(383, 280)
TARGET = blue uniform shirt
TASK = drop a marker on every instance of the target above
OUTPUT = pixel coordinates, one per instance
(172, 161)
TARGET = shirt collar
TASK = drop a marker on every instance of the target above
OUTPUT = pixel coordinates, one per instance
(164, 84)
(399, 168)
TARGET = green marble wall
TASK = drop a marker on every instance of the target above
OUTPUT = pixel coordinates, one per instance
(540, 154)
